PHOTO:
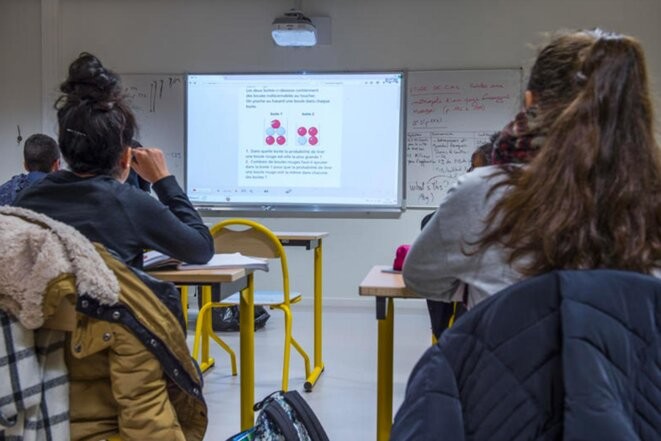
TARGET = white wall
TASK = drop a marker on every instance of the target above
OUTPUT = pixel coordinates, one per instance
(151, 36)
(20, 80)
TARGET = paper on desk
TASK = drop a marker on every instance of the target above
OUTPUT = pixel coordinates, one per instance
(230, 261)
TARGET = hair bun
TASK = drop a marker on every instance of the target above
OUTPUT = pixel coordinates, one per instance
(89, 80)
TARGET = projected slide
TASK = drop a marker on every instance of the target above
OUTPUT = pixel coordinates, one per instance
(302, 140)
(280, 142)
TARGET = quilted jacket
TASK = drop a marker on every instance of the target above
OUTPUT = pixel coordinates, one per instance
(569, 355)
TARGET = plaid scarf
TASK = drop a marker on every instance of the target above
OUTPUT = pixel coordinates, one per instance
(34, 391)
(517, 143)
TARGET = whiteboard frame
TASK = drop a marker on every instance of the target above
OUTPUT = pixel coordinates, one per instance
(314, 210)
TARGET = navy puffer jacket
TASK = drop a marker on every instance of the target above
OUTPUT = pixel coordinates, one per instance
(569, 355)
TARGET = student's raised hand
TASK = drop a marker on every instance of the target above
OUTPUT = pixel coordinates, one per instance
(149, 163)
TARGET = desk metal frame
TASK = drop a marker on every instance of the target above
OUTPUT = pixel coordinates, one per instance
(226, 283)
(385, 287)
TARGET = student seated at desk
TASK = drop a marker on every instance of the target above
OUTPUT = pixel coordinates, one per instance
(443, 314)
(96, 127)
(566, 353)
(40, 157)
(504, 222)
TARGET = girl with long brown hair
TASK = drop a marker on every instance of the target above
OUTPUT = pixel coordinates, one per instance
(589, 199)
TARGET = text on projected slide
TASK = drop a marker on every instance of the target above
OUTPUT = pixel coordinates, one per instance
(288, 135)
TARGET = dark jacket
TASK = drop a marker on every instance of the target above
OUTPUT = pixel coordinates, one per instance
(123, 218)
(569, 355)
(10, 189)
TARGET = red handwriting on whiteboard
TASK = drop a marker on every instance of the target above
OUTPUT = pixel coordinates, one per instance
(418, 90)
(427, 122)
(481, 85)
(430, 101)
(496, 98)
(423, 111)
(438, 87)
(434, 89)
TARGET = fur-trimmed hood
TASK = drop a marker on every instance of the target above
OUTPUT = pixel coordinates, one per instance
(34, 251)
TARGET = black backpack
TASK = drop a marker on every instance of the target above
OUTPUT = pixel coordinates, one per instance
(284, 416)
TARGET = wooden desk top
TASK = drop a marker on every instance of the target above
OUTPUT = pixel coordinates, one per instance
(299, 235)
(201, 276)
(380, 284)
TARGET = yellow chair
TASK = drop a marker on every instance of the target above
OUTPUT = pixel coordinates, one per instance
(453, 317)
(254, 239)
(183, 291)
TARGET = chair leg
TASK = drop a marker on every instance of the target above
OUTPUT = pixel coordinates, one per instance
(227, 349)
(183, 290)
(197, 339)
(198, 336)
(288, 339)
(306, 357)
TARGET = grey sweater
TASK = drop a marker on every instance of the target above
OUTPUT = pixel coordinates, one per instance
(436, 265)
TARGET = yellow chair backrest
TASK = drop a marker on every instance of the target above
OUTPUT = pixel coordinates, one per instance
(251, 239)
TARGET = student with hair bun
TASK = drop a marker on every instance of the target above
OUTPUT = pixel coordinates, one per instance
(128, 366)
(96, 129)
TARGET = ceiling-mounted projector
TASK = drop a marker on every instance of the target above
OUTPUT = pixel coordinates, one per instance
(294, 29)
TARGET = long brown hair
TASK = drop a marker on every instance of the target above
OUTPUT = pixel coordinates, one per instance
(591, 198)
(552, 79)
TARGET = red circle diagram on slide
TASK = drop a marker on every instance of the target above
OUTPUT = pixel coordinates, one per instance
(270, 140)
(275, 123)
(281, 140)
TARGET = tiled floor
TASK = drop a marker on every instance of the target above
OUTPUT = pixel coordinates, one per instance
(344, 398)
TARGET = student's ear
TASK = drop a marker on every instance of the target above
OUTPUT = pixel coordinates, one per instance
(125, 159)
(528, 99)
(124, 165)
(55, 166)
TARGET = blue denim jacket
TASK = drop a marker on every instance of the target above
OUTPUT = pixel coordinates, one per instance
(16, 184)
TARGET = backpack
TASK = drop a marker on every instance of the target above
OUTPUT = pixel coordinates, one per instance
(284, 416)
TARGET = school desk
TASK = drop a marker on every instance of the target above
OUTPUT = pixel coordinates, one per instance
(226, 282)
(311, 241)
(384, 287)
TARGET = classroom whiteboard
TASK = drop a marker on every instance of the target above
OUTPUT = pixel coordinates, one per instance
(158, 103)
(449, 114)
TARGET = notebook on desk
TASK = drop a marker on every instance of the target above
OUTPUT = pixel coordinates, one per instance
(153, 260)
